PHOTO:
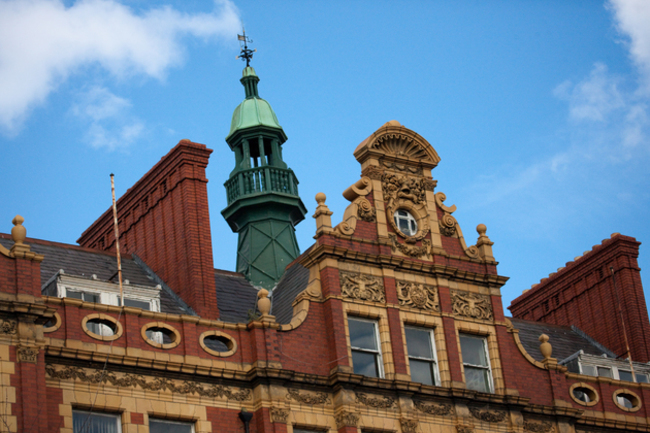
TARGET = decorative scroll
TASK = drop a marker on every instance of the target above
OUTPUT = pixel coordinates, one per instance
(346, 419)
(410, 250)
(409, 425)
(377, 403)
(27, 354)
(361, 286)
(309, 399)
(418, 296)
(538, 426)
(433, 408)
(448, 225)
(488, 415)
(279, 415)
(8, 326)
(151, 384)
(365, 211)
(471, 305)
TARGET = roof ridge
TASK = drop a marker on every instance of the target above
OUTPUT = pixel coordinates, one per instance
(29, 241)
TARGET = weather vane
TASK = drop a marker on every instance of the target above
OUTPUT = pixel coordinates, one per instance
(246, 53)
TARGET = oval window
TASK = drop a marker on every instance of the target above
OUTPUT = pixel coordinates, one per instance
(101, 327)
(583, 394)
(405, 222)
(161, 335)
(218, 343)
(52, 324)
(627, 400)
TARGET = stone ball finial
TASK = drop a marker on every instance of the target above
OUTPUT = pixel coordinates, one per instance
(18, 232)
(263, 302)
(481, 229)
(545, 347)
(320, 198)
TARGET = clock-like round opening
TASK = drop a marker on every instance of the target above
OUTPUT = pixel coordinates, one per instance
(405, 222)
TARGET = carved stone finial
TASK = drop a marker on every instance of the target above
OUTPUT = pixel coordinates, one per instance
(263, 302)
(547, 350)
(18, 232)
(484, 244)
(322, 215)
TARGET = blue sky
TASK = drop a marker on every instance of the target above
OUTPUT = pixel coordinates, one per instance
(539, 110)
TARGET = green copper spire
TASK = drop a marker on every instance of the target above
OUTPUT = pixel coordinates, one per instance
(263, 201)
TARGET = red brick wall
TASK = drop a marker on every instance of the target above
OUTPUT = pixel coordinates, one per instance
(164, 219)
(584, 294)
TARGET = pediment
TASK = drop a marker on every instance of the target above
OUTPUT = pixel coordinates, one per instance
(394, 142)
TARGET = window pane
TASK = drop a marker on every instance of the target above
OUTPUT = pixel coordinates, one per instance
(91, 297)
(477, 379)
(422, 371)
(404, 226)
(604, 372)
(589, 370)
(365, 363)
(75, 295)
(88, 422)
(641, 378)
(362, 334)
(133, 303)
(163, 426)
(625, 375)
(473, 350)
(418, 343)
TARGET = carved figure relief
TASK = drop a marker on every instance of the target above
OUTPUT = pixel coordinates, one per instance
(406, 193)
(377, 403)
(433, 408)
(488, 415)
(279, 415)
(409, 425)
(365, 211)
(418, 295)
(361, 286)
(151, 384)
(410, 250)
(346, 419)
(471, 305)
(308, 398)
(8, 326)
(27, 354)
(538, 426)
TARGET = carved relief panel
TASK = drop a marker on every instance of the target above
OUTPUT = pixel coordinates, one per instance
(472, 305)
(355, 285)
(417, 295)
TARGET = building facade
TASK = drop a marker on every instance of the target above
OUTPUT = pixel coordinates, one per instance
(392, 321)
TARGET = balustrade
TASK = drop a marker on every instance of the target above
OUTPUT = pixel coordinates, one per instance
(261, 179)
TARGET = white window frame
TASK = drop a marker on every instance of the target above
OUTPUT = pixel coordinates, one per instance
(378, 356)
(409, 218)
(434, 360)
(117, 416)
(484, 338)
(615, 371)
(166, 421)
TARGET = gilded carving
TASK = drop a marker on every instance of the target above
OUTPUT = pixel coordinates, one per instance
(471, 305)
(410, 250)
(346, 419)
(8, 326)
(377, 403)
(417, 295)
(373, 172)
(365, 211)
(409, 425)
(279, 414)
(447, 225)
(27, 354)
(362, 286)
(309, 399)
(151, 384)
(488, 415)
(433, 408)
(538, 426)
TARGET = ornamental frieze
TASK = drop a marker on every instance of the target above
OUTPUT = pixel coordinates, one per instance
(402, 167)
(308, 398)
(433, 408)
(346, 419)
(377, 403)
(27, 354)
(355, 285)
(373, 172)
(471, 305)
(147, 383)
(464, 429)
(488, 415)
(8, 326)
(418, 295)
(279, 414)
(538, 426)
(410, 250)
(409, 425)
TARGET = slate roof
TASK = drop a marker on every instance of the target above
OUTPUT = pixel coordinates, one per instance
(84, 262)
(293, 282)
(565, 340)
(236, 296)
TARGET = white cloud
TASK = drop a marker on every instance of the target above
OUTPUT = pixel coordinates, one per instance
(42, 42)
(633, 21)
(111, 124)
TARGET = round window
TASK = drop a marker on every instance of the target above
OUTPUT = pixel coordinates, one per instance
(405, 222)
